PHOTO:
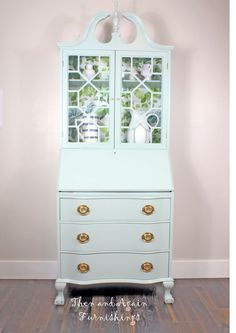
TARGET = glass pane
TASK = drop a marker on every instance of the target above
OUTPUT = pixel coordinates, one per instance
(156, 135)
(103, 68)
(72, 134)
(104, 134)
(73, 63)
(74, 115)
(73, 101)
(155, 84)
(88, 99)
(74, 76)
(156, 100)
(89, 66)
(126, 117)
(141, 100)
(157, 65)
(126, 100)
(124, 135)
(103, 116)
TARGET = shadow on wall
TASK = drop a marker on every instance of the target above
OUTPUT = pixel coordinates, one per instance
(126, 28)
(156, 28)
(192, 214)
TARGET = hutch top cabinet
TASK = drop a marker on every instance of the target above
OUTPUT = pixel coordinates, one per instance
(115, 176)
(115, 110)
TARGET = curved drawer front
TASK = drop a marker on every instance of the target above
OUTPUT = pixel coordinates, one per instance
(114, 266)
(115, 209)
(114, 237)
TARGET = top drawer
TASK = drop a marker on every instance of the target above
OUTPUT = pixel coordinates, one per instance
(117, 209)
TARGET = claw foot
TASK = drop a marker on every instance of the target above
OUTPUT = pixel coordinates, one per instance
(60, 286)
(59, 300)
(168, 285)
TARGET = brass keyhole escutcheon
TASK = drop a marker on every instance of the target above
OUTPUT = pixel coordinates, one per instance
(147, 237)
(148, 209)
(83, 238)
(147, 267)
(83, 267)
(83, 210)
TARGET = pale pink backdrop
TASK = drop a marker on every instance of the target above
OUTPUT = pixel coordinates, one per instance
(29, 138)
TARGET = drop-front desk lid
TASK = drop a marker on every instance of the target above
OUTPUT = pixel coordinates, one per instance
(107, 170)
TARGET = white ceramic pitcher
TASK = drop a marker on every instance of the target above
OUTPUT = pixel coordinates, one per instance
(138, 128)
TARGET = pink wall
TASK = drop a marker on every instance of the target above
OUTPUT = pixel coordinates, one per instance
(29, 77)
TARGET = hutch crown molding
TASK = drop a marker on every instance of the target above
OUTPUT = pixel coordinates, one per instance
(115, 190)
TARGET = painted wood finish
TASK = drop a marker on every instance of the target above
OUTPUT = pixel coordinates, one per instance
(114, 266)
(115, 170)
(120, 238)
(115, 209)
(115, 189)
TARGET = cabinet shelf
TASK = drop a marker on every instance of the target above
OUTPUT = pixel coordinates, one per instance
(78, 83)
(85, 81)
(141, 81)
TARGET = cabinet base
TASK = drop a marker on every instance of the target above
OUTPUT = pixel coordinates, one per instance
(60, 286)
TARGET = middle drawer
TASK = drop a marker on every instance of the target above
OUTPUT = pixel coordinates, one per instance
(114, 237)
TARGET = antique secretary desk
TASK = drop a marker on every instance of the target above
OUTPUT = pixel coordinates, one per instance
(115, 195)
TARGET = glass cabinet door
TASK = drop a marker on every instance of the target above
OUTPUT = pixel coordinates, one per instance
(140, 82)
(89, 89)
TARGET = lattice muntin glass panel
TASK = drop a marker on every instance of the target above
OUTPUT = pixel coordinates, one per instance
(141, 100)
(88, 99)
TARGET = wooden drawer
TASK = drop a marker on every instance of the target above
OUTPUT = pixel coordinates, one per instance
(114, 209)
(115, 266)
(114, 237)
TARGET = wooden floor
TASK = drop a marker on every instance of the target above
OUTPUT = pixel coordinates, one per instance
(201, 306)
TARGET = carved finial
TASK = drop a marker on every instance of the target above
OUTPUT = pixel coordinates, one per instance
(116, 20)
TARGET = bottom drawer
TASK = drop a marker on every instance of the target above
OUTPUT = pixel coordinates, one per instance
(114, 266)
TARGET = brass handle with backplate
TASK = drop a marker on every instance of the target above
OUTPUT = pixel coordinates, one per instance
(147, 237)
(83, 237)
(147, 267)
(83, 210)
(83, 267)
(148, 209)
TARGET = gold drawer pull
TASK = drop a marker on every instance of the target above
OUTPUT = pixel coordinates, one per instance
(147, 237)
(83, 238)
(83, 210)
(148, 209)
(147, 267)
(83, 267)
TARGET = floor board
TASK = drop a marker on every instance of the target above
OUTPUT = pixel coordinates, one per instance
(201, 306)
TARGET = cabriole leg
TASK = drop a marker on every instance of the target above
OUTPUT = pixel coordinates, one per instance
(168, 285)
(60, 286)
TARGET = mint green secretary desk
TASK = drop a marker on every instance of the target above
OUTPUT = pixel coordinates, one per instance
(115, 192)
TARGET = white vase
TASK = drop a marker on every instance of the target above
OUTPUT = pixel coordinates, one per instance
(138, 128)
(140, 134)
(89, 128)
